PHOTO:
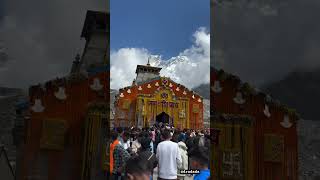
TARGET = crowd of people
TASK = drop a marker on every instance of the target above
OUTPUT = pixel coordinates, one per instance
(135, 153)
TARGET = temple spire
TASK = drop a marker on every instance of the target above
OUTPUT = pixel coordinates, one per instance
(76, 64)
(146, 72)
(148, 64)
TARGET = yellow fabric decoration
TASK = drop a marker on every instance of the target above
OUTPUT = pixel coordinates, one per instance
(195, 108)
(126, 104)
(53, 134)
(273, 148)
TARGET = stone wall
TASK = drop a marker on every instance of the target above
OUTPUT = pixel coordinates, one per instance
(309, 149)
(8, 100)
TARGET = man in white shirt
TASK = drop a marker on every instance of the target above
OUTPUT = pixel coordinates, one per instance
(125, 140)
(169, 157)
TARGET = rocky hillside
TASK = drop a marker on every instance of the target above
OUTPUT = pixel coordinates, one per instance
(8, 98)
(206, 113)
(203, 90)
(113, 93)
(299, 90)
(309, 146)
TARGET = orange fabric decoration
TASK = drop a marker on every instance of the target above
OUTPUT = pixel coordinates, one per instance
(112, 146)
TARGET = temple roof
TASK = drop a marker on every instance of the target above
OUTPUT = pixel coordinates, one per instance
(59, 81)
(247, 89)
(157, 79)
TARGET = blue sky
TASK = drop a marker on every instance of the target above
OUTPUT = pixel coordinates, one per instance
(162, 27)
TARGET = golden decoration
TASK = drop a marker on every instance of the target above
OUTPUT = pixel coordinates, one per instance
(53, 134)
(126, 104)
(273, 148)
(195, 108)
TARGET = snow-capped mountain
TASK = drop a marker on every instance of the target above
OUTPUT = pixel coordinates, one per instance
(171, 63)
(180, 69)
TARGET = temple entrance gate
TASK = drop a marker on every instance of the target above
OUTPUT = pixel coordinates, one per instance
(164, 118)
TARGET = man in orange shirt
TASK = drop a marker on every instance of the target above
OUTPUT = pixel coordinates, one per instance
(115, 141)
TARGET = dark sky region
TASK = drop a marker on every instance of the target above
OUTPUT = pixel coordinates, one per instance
(264, 42)
(39, 39)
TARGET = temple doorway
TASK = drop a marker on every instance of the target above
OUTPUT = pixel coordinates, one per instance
(163, 117)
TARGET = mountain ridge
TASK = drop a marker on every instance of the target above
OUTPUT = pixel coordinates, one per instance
(179, 67)
(299, 90)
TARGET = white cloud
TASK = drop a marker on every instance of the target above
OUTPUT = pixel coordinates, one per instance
(123, 64)
(191, 67)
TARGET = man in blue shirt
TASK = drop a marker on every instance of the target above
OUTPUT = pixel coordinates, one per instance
(199, 160)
